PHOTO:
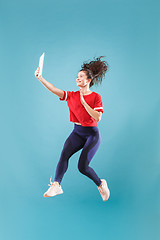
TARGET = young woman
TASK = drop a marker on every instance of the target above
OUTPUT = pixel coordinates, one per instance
(86, 110)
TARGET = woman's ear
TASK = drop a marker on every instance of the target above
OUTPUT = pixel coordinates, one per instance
(89, 80)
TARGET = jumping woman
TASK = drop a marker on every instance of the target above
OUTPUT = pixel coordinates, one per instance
(86, 110)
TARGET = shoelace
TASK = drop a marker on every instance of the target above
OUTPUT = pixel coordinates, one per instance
(101, 189)
(51, 183)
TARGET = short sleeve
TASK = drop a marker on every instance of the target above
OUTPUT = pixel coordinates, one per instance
(98, 106)
(66, 96)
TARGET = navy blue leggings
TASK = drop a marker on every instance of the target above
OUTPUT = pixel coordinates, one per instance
(87, 138)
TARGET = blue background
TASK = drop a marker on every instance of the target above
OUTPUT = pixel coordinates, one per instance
(35, 123)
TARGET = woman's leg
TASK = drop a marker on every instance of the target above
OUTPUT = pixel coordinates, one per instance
(72, 144)
(90, 148)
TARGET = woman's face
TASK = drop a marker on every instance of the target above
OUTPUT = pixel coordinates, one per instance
(82, 80)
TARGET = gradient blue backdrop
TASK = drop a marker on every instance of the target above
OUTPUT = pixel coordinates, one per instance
(35, 123)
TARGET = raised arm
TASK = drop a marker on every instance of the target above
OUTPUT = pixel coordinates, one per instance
(48, 85)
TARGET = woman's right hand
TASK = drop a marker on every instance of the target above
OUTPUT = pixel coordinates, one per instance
(37, 72)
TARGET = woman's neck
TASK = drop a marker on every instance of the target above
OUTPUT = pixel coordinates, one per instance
(85, 91)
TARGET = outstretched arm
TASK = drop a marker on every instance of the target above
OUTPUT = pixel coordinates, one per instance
(49, 85)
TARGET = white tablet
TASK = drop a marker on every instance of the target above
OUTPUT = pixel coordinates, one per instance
(41, 60)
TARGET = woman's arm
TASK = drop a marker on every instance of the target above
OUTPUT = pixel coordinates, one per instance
(49, 85)
(93, 113)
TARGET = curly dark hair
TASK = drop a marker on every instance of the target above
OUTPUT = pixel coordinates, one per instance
(95, 70)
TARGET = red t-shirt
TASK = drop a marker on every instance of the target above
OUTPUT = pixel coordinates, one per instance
(78, 113)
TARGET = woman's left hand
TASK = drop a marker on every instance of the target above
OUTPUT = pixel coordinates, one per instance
(82, 99)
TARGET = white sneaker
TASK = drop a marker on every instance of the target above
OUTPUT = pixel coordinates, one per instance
(104, 190)
(55, 189)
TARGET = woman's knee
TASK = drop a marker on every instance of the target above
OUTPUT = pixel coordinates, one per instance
(82, 168)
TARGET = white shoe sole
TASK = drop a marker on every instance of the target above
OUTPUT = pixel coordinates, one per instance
(50, 193)
(108, 192)
(104, 197)
(45, 194)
